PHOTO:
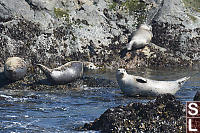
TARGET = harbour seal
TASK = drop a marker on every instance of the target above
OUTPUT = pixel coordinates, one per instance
(15, 68)
(67, 72)
(141, 37)
(136, 85)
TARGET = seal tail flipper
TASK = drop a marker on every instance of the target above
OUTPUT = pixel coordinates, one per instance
(123, 52)
(45, 69)
(182, 80)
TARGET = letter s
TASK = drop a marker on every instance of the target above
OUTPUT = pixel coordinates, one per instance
(193, 108)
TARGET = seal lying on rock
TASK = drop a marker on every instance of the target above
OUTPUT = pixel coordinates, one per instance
(67, 72)
(134, 85)
(141, 37)
(15, 68)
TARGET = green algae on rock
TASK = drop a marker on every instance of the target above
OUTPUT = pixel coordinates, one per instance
(62, 13)
(194, 4)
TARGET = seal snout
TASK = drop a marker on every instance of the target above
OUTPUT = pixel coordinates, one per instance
(120, 73)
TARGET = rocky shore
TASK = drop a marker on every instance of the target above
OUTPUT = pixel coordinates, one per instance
(165, 114)
(55, 32)
(37, 81)
(58, 31)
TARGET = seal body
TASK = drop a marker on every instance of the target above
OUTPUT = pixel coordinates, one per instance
(15, 68)
(141, 37)
(136, 85)
(65, 73)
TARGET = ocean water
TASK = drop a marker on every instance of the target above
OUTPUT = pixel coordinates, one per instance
(65, 110)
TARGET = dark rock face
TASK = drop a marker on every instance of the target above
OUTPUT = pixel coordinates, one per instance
(197, 96)
(164, 115)
(170, 36)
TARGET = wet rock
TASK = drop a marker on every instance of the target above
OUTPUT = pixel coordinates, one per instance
(35, 80)
(164, 115)
(197, 96)
(99, 82)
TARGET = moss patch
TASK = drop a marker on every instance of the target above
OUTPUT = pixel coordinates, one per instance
(194, 4)
(130, 5)
(133, 7)
(62, 13)
(193, 18)
(113, 6)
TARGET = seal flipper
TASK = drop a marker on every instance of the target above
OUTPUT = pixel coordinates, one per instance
(46, 70)
(123, 52)
(182, 80)
(140, 80)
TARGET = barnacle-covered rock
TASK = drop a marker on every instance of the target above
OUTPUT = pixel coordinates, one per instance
(164, 115)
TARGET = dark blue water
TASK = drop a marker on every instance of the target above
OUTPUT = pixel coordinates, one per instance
(65, 110)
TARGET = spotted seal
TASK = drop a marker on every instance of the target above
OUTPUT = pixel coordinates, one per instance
(15, 68)
(67, 72)
(141, 37)
(136, 85)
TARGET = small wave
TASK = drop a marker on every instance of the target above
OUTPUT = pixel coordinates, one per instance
(12, 99)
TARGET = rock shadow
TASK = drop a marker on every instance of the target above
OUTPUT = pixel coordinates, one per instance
(3, 80)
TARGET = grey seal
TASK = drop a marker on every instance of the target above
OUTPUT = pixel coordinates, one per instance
(141, 37)
(15, 68)
(67, 72)
(136, 85)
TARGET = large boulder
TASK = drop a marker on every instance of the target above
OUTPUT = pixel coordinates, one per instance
(176, 28)
(166, 114)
